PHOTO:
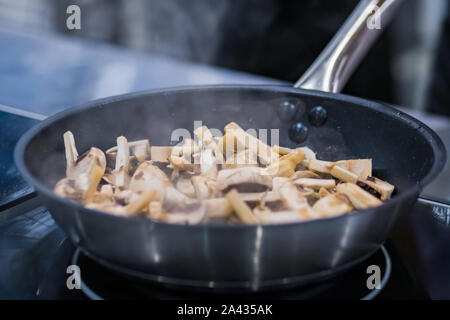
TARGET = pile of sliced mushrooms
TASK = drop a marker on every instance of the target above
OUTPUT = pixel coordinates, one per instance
(235, 178)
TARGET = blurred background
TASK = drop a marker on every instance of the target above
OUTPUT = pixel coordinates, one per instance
(274, 39)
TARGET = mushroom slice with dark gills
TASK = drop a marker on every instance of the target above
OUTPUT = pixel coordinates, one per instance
(245, 179)
(149, 177)
(80, 169)
(359, 198)
(377, 187)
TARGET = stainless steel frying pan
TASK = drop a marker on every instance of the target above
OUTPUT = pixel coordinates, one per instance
(252, 257)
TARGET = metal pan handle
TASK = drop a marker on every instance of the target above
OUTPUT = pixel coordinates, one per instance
(334, 66)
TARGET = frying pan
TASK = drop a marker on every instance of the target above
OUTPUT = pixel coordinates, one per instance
(246, 257)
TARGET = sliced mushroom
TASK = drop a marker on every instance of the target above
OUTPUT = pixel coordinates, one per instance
(149, 177)
(160, 153)
(138, 148)
(71, 151)
(384, 188)
(227, 146)
(186, 150)
(245, 158)
(208, 145)
(94, 179)
(285, 168)
(66, 188)
(81, 172)
(362, 168)
(269, 196)
(261, 210)
(245, 140)
(174, 199)
(241, 209)
(120, 175)
(320, 166)
(217, 208)
(141, 203)
(332, 205)
(304, 174)
(316, 183)
(107, 190)
(249, 175)
(323, 193)
(205, 138)
(124, 197)
(296, 156)
(359, 198)
(155, 210)
(309, 155)
(182, 157)
(184, 185)
(205, 187)
(278, 182)
(343, 174)
(208, 165)
(295, 200)
(281, 150)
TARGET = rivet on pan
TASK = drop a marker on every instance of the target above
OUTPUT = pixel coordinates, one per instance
(317, 116)
(287, 110)
(298, 132)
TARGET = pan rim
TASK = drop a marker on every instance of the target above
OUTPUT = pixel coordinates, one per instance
(434, 140)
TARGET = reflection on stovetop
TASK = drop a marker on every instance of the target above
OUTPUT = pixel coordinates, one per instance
(35, 254)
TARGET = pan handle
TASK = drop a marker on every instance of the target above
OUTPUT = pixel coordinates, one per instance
(334, 66)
